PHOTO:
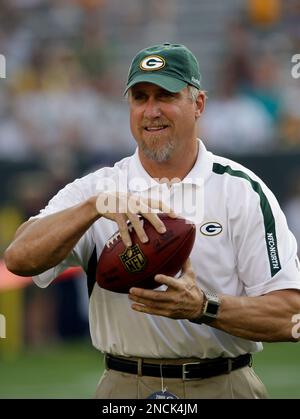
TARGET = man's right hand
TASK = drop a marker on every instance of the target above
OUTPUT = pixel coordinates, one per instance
(43, 243)
(123, 207)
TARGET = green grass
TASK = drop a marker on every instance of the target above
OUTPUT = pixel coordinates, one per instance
(72, 371)
(62, 371)
(279, 368)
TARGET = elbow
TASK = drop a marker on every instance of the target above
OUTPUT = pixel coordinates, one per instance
(9, 259)
(14, 262)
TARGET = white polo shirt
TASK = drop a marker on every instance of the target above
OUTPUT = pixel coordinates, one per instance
(243, 247)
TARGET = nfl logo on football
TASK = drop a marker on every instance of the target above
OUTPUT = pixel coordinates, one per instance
(133, 259)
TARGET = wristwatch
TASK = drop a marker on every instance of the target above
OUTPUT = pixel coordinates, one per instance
(210, 310)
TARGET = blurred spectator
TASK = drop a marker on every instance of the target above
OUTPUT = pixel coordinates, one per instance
(96, 54)
(239, 49)
(72, 307)
(17, 135)
(290, 20)
(40, 317)
(234, 123)
(28, 191)
(265, 86)
(266, 12)
(160, 22)
(290, 121)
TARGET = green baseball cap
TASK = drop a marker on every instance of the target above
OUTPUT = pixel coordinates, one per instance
(170, 66)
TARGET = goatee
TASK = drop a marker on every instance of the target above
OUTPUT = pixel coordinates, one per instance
(159, 154)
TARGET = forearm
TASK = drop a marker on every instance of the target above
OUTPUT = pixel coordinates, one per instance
(47, 241)
(266, 318)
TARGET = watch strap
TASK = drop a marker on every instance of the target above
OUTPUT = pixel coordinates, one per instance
(210, 308)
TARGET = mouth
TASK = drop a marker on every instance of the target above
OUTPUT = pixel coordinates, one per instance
(156, 129)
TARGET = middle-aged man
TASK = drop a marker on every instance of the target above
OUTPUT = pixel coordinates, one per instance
(194, 335)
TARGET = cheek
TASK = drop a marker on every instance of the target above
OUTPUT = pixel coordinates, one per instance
(135, 117)
(185, 118)
(133, 121)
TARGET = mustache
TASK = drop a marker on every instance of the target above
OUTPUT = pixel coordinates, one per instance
(154, 123)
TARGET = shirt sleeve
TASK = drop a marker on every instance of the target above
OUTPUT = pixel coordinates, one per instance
(265, 247)
(70, 195)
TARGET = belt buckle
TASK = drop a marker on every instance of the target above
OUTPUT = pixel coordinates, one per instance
(185, 372)
(229, 366)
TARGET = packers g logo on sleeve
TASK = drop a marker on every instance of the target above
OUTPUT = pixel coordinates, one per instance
(152, 62)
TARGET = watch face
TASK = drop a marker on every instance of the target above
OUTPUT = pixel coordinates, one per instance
(212, 308)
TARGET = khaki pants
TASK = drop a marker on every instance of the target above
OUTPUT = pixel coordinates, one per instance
(242, 383)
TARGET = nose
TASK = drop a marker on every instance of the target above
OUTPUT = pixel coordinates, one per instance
(152, 108)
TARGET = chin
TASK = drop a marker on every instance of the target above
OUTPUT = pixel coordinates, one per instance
(158, 154)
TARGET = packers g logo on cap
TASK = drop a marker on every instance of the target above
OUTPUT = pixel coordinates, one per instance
(152, 62)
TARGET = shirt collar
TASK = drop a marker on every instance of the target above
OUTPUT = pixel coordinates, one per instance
(141, 181)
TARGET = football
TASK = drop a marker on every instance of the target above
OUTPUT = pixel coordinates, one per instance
(119, 267)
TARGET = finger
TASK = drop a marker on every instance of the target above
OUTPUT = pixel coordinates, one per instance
(159, 204)
(148, 207)
(102, 203)
(108, 204)
(147, 302)
(138, 227)
(187, 266)
(137, 205)
(149, 310)
(140, 205)
(123, 229)
(167, 280)
(155, 221)
(149, 295)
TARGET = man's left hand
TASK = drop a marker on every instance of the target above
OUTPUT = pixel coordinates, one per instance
(183, 299)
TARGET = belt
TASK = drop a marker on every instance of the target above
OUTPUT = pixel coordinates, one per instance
(187, 371)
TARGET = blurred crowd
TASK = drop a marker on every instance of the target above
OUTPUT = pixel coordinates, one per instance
(255, 106)
(63, 89)
(57, 95)
(62, 109)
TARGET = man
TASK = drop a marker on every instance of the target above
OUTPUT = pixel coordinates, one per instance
(192, 337)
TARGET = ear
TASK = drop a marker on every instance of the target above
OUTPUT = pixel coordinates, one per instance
(200, 104)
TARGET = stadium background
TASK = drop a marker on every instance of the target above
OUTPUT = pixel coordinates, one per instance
(62, 114)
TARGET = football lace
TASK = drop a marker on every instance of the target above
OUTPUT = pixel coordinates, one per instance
(117, 235)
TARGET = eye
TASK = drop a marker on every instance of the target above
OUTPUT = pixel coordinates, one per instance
(138, 96)
(166, 94)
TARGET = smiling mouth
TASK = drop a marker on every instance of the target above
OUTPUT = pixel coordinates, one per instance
(156, 129)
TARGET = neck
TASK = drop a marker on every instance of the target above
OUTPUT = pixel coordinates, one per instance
(178, 166)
